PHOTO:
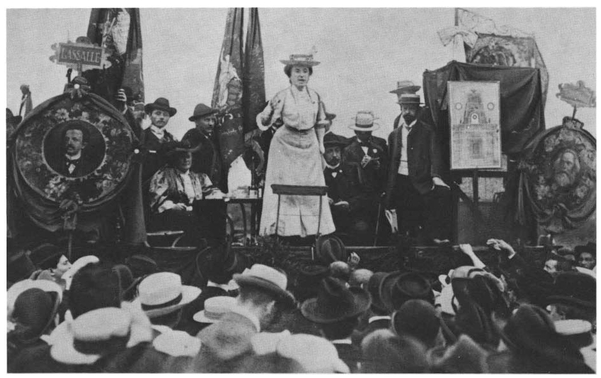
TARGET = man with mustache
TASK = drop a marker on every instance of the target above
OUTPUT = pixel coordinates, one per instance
(336, 180)
(565, 168)
(74, 162)
(415, 188)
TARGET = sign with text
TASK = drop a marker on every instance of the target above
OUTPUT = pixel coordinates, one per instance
(80, 56)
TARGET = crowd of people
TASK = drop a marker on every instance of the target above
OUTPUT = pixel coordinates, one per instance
(94, 316)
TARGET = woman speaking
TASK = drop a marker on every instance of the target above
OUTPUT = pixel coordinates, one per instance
(295, 154)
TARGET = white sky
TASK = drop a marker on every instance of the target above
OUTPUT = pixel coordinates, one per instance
(364, 51)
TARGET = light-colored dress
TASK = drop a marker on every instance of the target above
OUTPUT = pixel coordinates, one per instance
(294, 159)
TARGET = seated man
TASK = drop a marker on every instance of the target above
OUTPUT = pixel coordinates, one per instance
(365, 163)
(336, 181)
(173, 191)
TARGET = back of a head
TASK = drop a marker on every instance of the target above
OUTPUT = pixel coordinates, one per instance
(94, 286)
(475, 322)
(340, 329)
(384, 352)
(255, 295)
(417, 318)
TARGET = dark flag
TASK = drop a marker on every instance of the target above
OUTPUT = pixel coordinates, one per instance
(253, 98)
(118, 30)
(227, 92)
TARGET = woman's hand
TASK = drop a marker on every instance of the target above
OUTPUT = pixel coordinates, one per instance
(322, 148)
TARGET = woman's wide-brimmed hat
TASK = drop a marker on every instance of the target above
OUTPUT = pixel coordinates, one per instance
(202, 110)
(160, 103)
(364, 121)
(405, 86)
(173, 149)
(163, 293)
(301, 60)
(268, 279)
(335, 302)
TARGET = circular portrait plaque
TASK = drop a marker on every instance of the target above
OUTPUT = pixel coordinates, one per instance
(561, 177)
(74, 148)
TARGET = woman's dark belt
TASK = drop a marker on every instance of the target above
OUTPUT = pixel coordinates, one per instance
(303, 132)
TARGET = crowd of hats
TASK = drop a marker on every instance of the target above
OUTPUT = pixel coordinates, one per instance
(133, 317)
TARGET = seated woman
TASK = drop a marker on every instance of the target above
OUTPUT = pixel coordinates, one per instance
(173, 191)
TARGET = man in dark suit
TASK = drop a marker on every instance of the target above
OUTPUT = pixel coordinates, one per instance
(208, 158)
(336, 180)
(74, 162)
(407, 87)
(365, 163)
(154, 137)
(414, 187)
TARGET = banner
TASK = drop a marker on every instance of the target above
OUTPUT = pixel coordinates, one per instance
(253, 98)
(502, 46)
(119, 31)
(228, 89)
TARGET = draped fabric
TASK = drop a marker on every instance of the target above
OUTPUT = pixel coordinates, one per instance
(40, 189)
(521, 100)
(228, 89)
(119, 31)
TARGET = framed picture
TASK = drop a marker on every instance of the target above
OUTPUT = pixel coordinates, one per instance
(474, 112)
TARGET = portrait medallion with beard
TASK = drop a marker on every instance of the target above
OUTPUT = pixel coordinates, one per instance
(560, 176)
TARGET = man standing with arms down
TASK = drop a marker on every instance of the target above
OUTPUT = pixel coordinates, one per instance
(415, 188)
(207, 159)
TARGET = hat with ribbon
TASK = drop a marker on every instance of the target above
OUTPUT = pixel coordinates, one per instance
(315, 354)
(398, 287)
(300, 60)
(160, 103)
(335, 140)
(201, 110)
(329, 248)
(335, 302)
(215, 308)
(405, 86)
(267, 279)
(364, 121)
(97, 333)
(163, 293)
(409, 99)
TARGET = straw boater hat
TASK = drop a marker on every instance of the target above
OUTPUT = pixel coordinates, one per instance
(97, 333)
(215, 308)
(301, 60)
(201, 110)
(76, 267)
(160, 103)
(163, 293)
(405, 86)
(267, 279)
(364, 121)
(409, 99)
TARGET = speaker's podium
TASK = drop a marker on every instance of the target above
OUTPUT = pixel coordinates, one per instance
(299, 190)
